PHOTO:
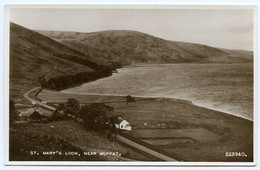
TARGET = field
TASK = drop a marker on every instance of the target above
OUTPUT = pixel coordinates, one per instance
(195, 133)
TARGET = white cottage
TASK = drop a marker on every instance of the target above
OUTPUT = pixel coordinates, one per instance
(122, 124)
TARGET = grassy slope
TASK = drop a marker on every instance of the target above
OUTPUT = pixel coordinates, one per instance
(132, 46)
(240, 53)
(31, 56)
(52, 137)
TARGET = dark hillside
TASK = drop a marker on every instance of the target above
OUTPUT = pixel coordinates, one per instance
(32, 55)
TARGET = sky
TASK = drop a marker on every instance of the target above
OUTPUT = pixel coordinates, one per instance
(224, 28)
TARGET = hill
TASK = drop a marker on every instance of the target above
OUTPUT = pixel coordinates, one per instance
(72, 58)
(132, 46)
(32, 55)
(242, 53)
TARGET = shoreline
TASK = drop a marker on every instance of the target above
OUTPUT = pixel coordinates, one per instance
(247, 113)
(154, 97)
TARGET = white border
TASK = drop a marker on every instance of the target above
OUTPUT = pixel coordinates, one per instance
(114, 6)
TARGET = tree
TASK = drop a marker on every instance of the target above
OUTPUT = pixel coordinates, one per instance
(96, 115)
(129, 99)
(60, 107)
(58, 113)
(71, 106)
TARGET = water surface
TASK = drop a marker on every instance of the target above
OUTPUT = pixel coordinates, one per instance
(223, 87)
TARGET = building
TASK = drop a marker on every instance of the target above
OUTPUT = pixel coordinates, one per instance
(122, 124)
(31, 114)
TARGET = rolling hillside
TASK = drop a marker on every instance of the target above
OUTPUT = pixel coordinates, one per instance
(132, 46)
(32, 55)
(75, 58)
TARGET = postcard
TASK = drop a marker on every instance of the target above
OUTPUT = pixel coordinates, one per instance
(130, 85)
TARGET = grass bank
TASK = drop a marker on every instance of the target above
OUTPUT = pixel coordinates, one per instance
(65, 136)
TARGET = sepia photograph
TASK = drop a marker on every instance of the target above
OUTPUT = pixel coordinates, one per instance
(130, 84)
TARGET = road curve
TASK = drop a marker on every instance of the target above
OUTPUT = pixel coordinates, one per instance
(27, 95)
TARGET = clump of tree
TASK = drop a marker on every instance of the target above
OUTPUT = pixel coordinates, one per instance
(59, 114)
(96, 116)
(100, 71)
(71, 107)
(129, 99)
(61, 82)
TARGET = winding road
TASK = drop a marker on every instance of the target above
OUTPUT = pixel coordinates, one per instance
(30, 97)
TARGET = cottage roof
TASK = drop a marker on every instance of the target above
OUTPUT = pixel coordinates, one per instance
(36, 115)
(28, 112)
